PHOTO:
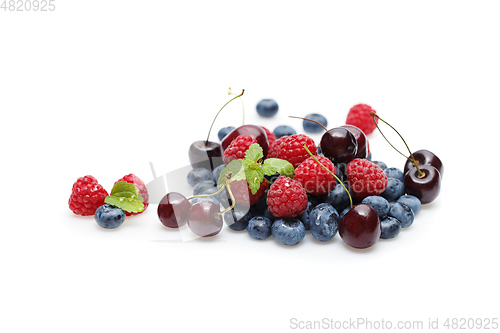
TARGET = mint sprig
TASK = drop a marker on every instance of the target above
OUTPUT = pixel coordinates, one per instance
(126, 196)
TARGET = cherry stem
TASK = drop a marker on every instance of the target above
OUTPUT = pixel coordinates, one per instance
(411, 158)
(314, 121)
(208, 136)
(233, 201)
(242, 104)
(304, 144)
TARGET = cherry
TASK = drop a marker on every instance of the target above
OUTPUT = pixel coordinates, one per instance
(360, 227)
(424, 157)
(424, 185)
(339, 145)
(361, 140)
(173, 210)
(256, 132)
(204, 219)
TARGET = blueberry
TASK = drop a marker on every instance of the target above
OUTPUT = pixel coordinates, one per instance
(381, 205)
(403, 213)
(272, 178)
(288, 231)
(395, 188)
(261, 205)
(312, 127)
(267, 108)
(339, 174)
(203, 187)
(382, 165)
(324, 221)
(109, 217)
(283, 130)
(224, 131)
(304, 217)
(390, 227)
(394, 173)
(196, 200)
(259, 227)
(348, 208)
(216, 173)
(238, 217)
(338, 198)
(269, 215)
(198, 175)
(412, 202)
(369, 158)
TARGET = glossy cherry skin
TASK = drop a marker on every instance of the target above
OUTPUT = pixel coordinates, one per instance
(360, 227)
(426, 188)
(339, 145)
(361, 140)
(202, 219)
(173, 210)
(425, 157)
(205, 155)
(254, 131)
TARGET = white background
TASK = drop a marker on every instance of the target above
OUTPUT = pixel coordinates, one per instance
(105, 87)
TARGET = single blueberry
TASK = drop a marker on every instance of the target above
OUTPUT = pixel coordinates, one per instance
(412, 202)
(259, 227)
(216, 173)
(382, 165)
(238, 217)
(198, 175)
(394, 173)
(312, 127)
(269, 215)
(381, 205)
(390, 227)
(224, 131)
(338, 198)
(403, 213)
(348, 208)
(267, 108)
(283, 130)
(288, 231)
(304, 217)
(204, 186)
(324, 221)
(395, 188)
(109, 217)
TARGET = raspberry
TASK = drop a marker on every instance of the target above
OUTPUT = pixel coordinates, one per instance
(274, 148)
(313, 177)
(365, 178)
(133, 179)
(271, 137)
(359, 116)
(243, 195)
(86, 196)
(290, 149)
(286, 198)
(237, 148)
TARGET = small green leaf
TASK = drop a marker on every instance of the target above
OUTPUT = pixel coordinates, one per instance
(254, 153)
(236, 169)
(126, 196)
(254, 177)
(273, 165)
(123, 187)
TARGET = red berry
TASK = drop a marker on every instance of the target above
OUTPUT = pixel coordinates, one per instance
(244, 196)
(365, 178)
(271, 137)
(359, 116)
(237, 148)
(86, 196)
(286, 198)
(313, 177)
(290, 149)
(133, 179)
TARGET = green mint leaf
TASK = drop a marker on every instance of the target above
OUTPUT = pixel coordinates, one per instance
(254, 153)
(236, 169)
(124, 187)
(254, 177)
(273, 165)
(126, 196)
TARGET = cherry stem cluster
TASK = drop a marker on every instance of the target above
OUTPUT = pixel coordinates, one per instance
(324, 167)
(210, 130)
(226, 186)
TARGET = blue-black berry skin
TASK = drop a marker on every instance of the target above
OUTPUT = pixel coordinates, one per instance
(216, 173)
(259, 227)
(312, 127)
(289, 231)
(224, 131)
(238, 218)
(382, 165)
(203, 186)
(412, 202)
(196, 200)
(381, 205)
(109, 217)
(267, 108)
(338, 198)
(391, 227)
(403, 213)
(269, 215)
(198, 175)
(395, 188)
(394, 173)
(323, 222)
(348, 208)
(284, 130)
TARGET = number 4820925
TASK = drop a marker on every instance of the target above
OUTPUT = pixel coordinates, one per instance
(28, 5)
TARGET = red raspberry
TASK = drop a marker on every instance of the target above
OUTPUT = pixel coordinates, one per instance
(237, 148)
(243, 195)
(290, 149)
(133, 179)
(313, 177)
(271, 137)
(274, 148)
(86, 196)
(286, 198)
(365, 178)
(359, 116)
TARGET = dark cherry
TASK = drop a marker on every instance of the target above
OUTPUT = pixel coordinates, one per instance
(360, 227)
(361, 140)
(254, 131)
(425, 157)
(339, 145)
(203, 219)
(206, 155)
(425, 188)
(173, 210)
